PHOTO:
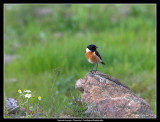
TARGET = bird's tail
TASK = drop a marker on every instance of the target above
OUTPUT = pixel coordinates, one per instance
(103, 63)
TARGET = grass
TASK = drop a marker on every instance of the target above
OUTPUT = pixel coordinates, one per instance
(51, 49)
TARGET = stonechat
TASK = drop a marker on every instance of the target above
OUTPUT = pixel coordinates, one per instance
(93, 56)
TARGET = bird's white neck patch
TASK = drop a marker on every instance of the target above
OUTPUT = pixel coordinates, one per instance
(88, 50)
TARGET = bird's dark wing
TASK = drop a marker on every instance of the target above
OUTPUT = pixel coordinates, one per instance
(96, 52)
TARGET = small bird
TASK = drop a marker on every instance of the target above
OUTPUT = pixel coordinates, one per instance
(93, 56)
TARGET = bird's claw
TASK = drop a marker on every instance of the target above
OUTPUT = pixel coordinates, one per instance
(93, 71)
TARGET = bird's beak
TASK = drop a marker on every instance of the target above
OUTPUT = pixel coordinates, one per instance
(96, 47)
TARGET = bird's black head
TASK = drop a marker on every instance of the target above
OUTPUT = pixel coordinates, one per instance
(92, 47)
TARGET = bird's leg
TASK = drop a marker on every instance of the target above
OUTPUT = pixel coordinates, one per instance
(92, 67)
(96, 67)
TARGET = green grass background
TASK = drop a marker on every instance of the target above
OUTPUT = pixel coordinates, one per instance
(51, 48)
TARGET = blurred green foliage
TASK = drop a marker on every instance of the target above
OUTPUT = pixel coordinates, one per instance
(50, 41)
(76, 107)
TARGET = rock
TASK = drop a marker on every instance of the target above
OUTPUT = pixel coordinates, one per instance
(43, 11)
(107, 97)
(11, 105)
(12, 80)
(9, 58)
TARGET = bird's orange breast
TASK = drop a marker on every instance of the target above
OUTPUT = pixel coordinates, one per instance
(92, 58)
